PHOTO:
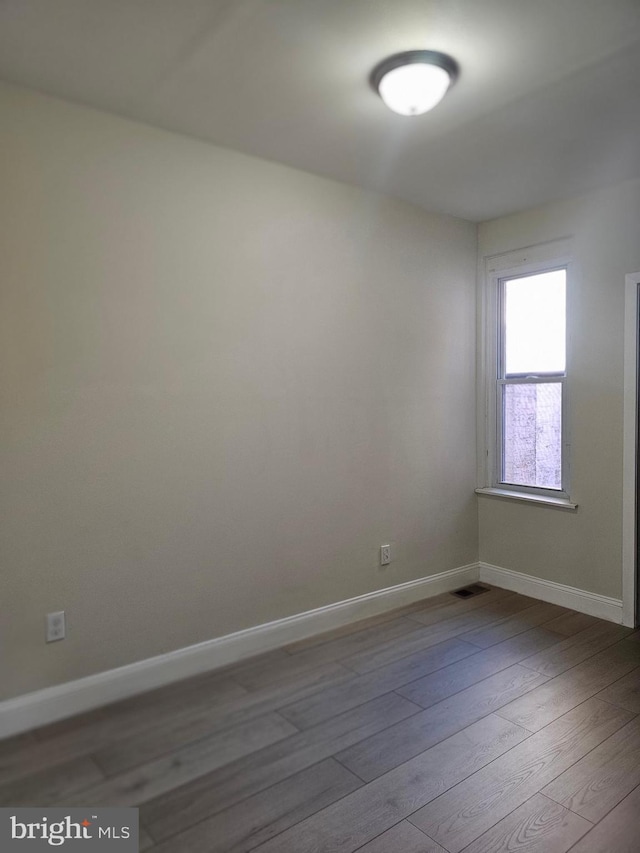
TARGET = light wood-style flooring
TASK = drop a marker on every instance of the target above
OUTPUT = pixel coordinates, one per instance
(493, 724)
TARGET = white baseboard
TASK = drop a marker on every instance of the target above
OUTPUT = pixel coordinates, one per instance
(556, 593)
(64, 700)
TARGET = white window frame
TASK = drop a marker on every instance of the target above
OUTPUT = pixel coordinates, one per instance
(530, 261)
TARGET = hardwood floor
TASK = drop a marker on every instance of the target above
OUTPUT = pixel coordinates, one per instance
(492, 724)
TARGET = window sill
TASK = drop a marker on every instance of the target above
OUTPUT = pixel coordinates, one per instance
(545, 500)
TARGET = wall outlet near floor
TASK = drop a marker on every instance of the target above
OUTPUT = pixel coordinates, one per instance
(56, 626)
(385, 555)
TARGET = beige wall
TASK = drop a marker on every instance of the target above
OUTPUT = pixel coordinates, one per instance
(582, 549)
(226, 383)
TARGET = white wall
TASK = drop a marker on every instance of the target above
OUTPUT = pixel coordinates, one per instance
(582, 549)
(225, 384)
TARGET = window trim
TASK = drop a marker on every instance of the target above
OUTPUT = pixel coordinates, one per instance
(497, 268)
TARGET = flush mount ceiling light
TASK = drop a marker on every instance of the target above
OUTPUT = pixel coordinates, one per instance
(413, 83)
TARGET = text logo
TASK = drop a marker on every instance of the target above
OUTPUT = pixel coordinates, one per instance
(111, 830)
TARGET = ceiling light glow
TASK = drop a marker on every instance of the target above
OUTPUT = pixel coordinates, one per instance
(413, 83)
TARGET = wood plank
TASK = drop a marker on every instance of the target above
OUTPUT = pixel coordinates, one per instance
(549, 701)
(625, 692)
(366, 813)
(181, 766)
(415, 642)
(212, 687)
(451, 679)
(179, 809)
(254, 676)
(402, 838)
(440, 632)
(75, 737)
(55, 784)
(368, 638)
(225, 714)
(571, 623)
(355, 627)
(145, 841)
(537, 826)
(452, 606)
(617, 832)
(418, 641)
(271, 697)
(143, 747)
(264, 659)
(182, 729)
(600, 780)
(313, 710)
(257, 819)
(532, 617)
(443, 601)
(509, 604)
(17, 743)
(576, 649)
(462, 814)
(372, 757)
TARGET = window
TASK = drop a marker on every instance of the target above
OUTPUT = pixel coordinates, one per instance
(527, 447)
(531, 377)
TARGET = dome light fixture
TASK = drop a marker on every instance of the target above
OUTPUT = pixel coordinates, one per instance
(412, 83)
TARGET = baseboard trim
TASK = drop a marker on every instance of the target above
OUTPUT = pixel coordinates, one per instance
(74, 697)
(556, 593)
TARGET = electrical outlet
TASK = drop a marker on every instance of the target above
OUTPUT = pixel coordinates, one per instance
(56, 626)
(385, 555)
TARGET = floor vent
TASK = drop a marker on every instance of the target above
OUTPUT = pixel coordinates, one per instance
(468, 591)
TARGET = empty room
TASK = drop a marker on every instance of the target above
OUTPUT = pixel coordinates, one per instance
(319, 361)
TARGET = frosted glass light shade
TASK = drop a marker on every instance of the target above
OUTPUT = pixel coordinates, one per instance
(413, 83)
(414, 89)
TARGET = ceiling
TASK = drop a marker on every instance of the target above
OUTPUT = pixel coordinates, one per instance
(547, 104)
